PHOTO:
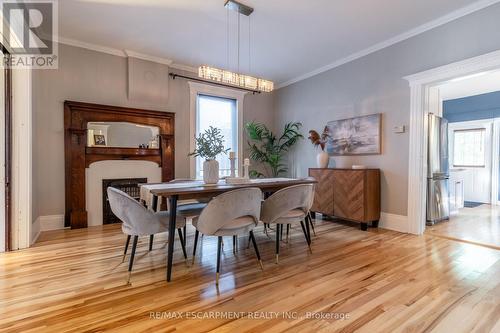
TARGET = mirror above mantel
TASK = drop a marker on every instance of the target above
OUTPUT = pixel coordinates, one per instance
(122, 135)
(125, 131)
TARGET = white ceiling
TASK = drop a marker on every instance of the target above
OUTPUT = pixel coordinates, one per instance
(470, 86)
(291, 39)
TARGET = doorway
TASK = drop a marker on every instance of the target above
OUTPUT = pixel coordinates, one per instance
(471, 107)
(422, 100)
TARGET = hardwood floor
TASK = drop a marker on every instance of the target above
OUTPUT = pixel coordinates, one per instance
(380, 281)
(479, 225)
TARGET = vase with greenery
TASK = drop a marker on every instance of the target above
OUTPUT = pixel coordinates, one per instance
(322, 158)
(269, 149)
(208, 145)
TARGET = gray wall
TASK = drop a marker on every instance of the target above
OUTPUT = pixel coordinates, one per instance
(94, 77)
(375, 84)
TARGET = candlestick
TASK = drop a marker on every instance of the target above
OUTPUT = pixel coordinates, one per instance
(246, 167)
(232, 160)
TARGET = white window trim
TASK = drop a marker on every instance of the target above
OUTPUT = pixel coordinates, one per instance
(196, 89)
(485, 124)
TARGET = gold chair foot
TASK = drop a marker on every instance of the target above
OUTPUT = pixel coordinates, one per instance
(261, 265)
(123, 258)
(310, 250)
(128, 277)
(217, 278)
(277, 261)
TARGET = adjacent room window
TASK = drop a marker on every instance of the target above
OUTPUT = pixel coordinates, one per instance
(468, 148)
(221, 113)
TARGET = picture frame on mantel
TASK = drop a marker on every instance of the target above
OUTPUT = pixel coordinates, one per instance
(355, 136)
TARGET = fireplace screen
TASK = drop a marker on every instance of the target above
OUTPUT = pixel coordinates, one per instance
(127, 185)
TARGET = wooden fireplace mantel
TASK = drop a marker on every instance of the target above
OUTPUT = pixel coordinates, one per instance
(78, 156)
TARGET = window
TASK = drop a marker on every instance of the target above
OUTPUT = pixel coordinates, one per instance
(221, 113)
(468, 148)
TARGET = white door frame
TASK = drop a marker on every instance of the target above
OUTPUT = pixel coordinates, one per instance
(420, 84)
(495, 161)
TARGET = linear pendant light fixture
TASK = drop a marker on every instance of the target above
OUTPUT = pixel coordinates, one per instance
(231, 78)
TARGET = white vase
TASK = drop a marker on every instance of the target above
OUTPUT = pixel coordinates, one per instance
(211, 172)
(322, 159)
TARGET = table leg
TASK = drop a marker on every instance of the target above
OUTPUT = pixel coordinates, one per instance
(154, 203)
(171, 234)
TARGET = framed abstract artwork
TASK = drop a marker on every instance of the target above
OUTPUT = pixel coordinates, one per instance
(355, 136)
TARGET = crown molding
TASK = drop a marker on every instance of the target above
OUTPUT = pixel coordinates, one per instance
(182, 67)
(124, 53)
(90, 46)
(142, 56)
(399, 38)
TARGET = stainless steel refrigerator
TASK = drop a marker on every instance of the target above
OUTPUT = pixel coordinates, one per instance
(438, 208)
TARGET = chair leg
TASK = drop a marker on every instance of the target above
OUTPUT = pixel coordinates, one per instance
(196, 234)
(249, 240)
(305, 234)
(151, 242)
(219, 250)
(312, 224)
(308, 229)
(185, 235)
(287, 232)
(126, 247)
(235, 241)
(132, 255)
(252, 237)
(281, 232)
(181, 238)
(277, 242)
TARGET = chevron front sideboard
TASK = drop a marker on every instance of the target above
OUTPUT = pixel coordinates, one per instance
(348, 194)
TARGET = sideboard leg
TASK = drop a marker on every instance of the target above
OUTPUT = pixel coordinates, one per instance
(364, 226)
(375, 224)
(313, 215)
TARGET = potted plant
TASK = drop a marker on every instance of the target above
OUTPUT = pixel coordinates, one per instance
(208, 145)
(268, 149)
(322, 159)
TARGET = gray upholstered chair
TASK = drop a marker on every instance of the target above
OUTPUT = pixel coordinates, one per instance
(137, 221)
(186, 209)
(288, 206)
(232, 213)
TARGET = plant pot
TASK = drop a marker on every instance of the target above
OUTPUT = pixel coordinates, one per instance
(322, 159)
(211, 172)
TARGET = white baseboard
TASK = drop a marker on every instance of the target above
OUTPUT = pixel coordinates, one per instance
(51, 222)
(393, 222)
(35, 231)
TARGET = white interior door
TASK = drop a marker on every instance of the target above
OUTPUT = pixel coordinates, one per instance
(471, 150)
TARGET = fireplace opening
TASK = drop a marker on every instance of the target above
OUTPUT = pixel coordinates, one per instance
(127, 185)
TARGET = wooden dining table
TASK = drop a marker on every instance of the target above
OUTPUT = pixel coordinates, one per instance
(198, 190)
